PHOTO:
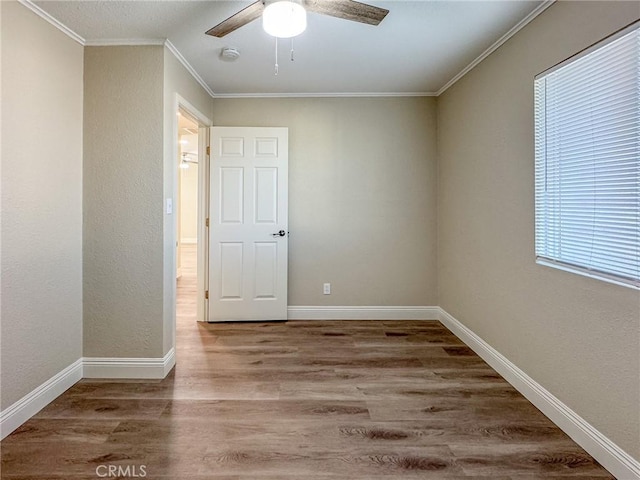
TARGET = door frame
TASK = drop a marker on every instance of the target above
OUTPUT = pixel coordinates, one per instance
(203, 200)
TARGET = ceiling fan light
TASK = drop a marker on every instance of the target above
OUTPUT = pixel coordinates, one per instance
(284, 19)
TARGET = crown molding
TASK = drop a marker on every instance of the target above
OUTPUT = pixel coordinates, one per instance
(167, 43)
(519, 26)
(111, 42)
(59, 25)
(325, 95)
(176, 53)
(123, 42)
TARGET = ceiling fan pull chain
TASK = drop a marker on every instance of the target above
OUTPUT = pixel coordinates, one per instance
(276, 56)
(292, 49)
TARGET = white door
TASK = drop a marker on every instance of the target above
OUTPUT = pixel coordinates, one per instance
(248, 224)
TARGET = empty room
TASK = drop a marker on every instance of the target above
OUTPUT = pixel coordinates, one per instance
(319, 239)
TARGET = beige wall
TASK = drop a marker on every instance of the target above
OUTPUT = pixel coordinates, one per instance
(362, 210)
(578, 337)
(41, 219)
(362, 195)
(177, 82)
(123, 201)
(130, 166)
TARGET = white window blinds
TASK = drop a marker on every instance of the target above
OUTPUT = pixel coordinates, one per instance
(587, 155)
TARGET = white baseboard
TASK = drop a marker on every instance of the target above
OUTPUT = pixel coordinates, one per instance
(25, 408)
(610, 455)
(362, 313)
(148, 368)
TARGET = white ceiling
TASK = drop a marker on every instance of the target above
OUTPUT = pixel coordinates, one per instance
(418, 48)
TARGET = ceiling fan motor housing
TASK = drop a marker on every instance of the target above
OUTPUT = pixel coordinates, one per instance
(345, 9)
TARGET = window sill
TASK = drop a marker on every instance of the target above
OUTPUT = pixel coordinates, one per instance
(634, 284)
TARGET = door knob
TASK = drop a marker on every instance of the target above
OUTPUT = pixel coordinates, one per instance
(281, 233)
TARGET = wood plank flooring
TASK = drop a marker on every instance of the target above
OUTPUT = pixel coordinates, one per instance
(300, 400)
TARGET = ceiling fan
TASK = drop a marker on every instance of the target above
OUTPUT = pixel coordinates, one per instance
(286, 19)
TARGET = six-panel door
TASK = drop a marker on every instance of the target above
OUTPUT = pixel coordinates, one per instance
(248, 209)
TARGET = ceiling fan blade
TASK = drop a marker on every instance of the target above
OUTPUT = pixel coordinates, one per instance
(238, 20)
(347, 9)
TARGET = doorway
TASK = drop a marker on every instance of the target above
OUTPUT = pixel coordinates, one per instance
(187, 218)
(190, 209)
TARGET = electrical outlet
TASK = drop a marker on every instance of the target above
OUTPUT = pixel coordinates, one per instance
(326, 289)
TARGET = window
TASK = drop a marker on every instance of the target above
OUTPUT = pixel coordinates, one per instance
(587, 161)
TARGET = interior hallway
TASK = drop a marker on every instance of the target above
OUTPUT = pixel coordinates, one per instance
(312, 400)
(186, 291)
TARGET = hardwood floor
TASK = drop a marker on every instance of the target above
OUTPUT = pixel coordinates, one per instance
(299, 400)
